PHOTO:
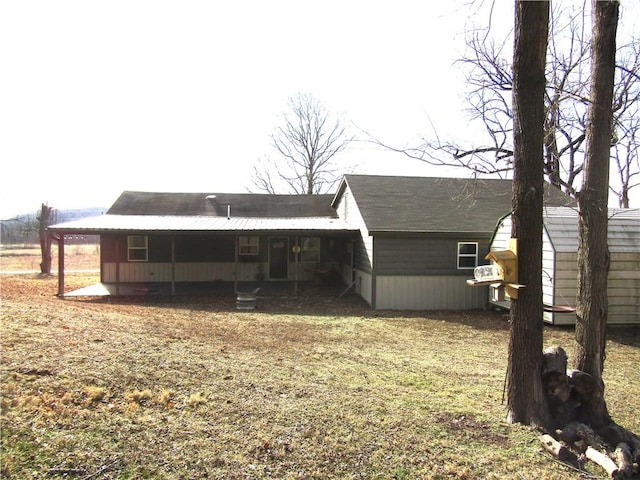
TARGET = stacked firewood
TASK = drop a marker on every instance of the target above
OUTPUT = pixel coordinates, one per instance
(583, 429)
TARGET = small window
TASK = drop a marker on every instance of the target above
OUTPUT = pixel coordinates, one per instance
(310, 250)
(137, 248)
(249, 245)
(467, 255)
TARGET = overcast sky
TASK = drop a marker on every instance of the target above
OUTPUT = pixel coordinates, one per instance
(101, 97)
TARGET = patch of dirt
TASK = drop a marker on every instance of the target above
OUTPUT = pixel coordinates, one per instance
(468, 426)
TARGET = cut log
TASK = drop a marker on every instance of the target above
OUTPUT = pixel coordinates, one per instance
(558, 450)
(622, 456)
(603, 460)
(590, 394)
(590, 437)
(615, 434)
(556, 387)
(569, 432)
(554, 359)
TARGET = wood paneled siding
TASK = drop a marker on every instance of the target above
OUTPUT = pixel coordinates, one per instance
(188, 248)
(424, 256)
(204, 258)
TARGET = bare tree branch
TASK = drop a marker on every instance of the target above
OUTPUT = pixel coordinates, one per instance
(306, 143)
(489, 78)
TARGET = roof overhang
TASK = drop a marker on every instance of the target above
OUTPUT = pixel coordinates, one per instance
(429, 233)
(106, 224)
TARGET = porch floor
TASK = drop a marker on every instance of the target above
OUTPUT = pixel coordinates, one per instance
(205, 288)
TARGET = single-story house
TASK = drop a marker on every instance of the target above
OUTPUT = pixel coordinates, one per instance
(560, 264)
(399, 242)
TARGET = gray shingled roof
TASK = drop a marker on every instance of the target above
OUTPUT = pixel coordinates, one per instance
(426, 204)
(219, 204)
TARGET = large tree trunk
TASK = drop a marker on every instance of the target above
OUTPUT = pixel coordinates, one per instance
(46, 219)
(593, 251)
(526, 401)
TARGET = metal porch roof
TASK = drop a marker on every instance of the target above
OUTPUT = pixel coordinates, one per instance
(182, 223)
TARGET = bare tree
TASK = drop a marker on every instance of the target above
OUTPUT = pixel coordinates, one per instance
(626, 155)
(489, 79)
(626, 128)
(45, 218)
(593, 251)
(305, 144)
(526, 401)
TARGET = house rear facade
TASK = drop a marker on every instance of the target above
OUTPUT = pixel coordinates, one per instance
(401, 243)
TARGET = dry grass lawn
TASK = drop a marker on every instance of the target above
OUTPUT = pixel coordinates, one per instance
(27, 257)
(301, 388)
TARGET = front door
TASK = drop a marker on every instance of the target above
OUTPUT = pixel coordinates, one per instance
(278, 258)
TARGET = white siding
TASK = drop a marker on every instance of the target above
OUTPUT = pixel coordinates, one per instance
(363, 285)
(397, 292)
(502, 235)
(624, 288)
(348, 210)
(548, 269)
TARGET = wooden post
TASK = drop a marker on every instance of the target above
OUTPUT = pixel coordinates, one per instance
(60, 240)
(296, 251)
(235, 274)
(118, 239)
(173, 265)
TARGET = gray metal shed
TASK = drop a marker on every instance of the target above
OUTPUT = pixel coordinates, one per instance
(560, 258)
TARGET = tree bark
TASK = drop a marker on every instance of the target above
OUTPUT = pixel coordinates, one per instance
(593, 251)
(526, 401)
(46, 219)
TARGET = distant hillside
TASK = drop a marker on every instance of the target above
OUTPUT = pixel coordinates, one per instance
(69, 215)
(24, 228)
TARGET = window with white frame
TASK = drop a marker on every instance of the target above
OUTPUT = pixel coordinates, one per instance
(249, 245)
(467, 255)
(138, 248)
(310, 249)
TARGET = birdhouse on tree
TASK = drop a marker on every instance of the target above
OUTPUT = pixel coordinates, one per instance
(502, 274)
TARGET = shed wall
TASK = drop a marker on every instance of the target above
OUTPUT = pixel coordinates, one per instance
(560, 271)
